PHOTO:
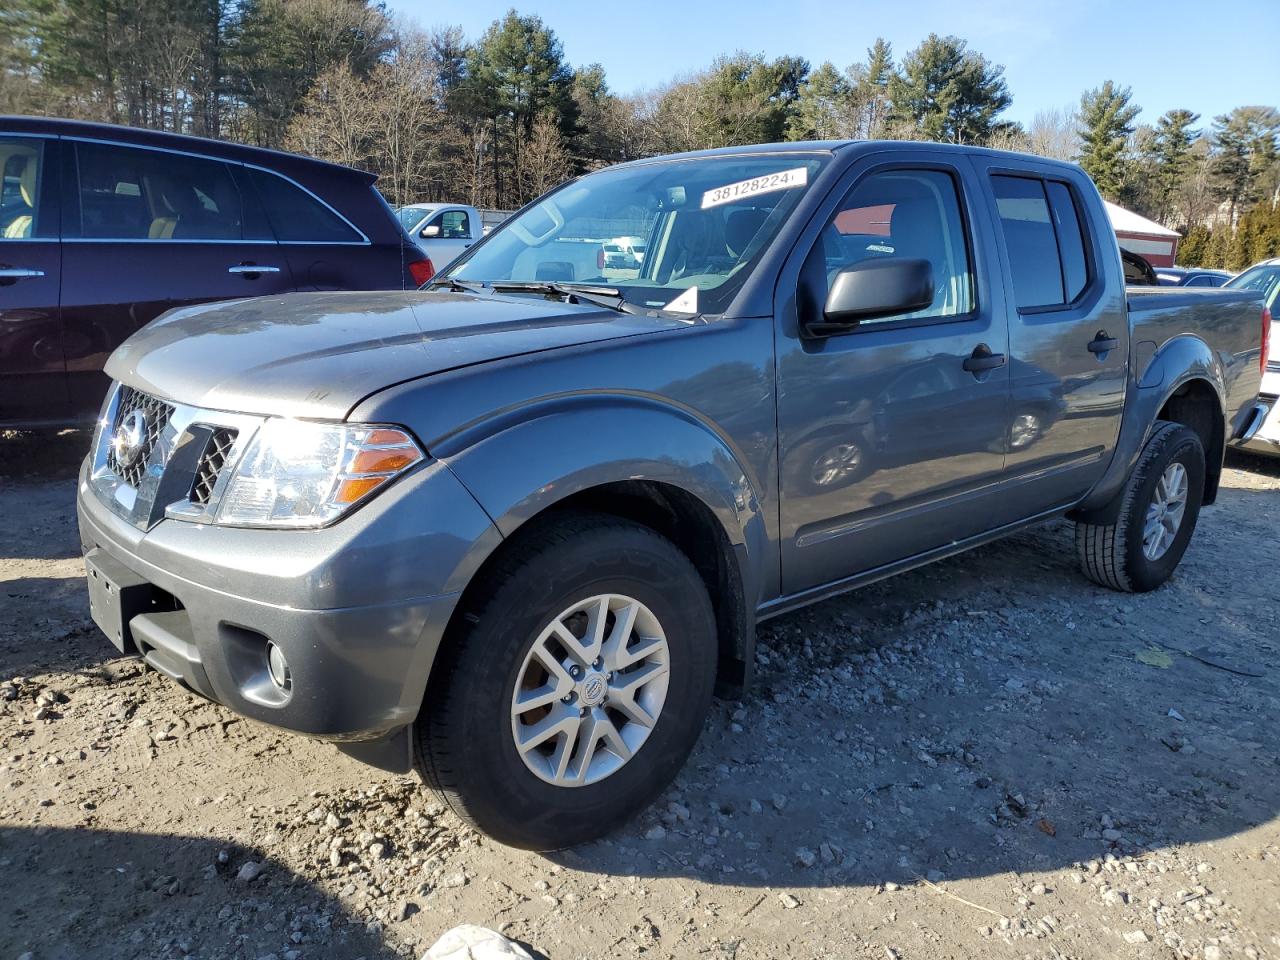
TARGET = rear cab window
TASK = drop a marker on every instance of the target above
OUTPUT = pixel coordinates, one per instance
(1044, 237)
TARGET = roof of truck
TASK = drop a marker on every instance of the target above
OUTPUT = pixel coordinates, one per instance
(868, 146)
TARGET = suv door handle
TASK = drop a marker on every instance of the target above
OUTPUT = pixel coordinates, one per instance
(19, 273)
(983, 359)
(251, 269)
(1102, 343)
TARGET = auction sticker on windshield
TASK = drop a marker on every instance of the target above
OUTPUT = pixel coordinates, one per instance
(767, 183)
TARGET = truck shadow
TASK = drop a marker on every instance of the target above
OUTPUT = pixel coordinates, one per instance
(107, 894)
(988, 714)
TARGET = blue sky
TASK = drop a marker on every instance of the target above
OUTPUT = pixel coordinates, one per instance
(1206, 56)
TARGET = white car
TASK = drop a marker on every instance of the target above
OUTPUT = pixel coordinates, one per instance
(442, 230)
(1265, 278)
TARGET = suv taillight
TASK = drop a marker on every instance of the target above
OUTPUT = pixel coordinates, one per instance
(421, 270)
(1266, 340)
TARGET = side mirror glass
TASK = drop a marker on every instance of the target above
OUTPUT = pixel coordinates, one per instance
(875, 288)
(431, 231)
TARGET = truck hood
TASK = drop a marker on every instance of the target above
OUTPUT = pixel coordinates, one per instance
(319, 354)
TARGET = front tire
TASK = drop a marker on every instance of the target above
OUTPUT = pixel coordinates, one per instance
(1159, 507)
(575, 686)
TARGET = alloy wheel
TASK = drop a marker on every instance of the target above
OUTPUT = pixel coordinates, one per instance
(590, 690)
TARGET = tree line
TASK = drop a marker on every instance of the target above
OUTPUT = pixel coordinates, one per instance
(498, 119)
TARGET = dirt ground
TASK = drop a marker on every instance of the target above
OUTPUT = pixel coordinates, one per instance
(987, 757)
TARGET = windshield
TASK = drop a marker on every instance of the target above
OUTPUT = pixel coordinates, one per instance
(410, 216)
(697, 226)
(1264, 279)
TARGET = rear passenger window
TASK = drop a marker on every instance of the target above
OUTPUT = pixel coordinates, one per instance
(1044, 239)
(298, 217)
(1075, 266)
(135, 194)
(904, 213)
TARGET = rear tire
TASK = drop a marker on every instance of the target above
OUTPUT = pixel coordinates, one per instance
(639, 698)
(1159, 507)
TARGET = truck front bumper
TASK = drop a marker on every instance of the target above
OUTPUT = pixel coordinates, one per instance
(185, 597)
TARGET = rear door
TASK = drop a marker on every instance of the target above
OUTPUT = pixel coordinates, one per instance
(325, 250)
(1068, 335)
(148, 230)
(32, 371)
(891, 439)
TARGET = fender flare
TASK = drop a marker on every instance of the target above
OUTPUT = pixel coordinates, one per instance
(519, 463)
(1180, 361)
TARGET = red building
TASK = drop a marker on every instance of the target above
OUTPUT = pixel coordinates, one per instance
(1156, 244)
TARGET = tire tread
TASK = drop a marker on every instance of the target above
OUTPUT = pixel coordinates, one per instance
(1101, 548)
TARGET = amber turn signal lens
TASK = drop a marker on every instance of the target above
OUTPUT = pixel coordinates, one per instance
(349, 491)
(382, 461)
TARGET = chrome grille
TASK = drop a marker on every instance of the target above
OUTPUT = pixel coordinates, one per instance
(156, 414)
(211, 463)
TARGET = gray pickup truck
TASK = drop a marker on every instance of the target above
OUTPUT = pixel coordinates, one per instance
(514, 529)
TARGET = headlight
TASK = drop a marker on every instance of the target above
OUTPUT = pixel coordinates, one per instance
(297, 473)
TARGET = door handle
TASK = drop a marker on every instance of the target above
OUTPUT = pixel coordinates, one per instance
(19, 273)
(983, 359)
(251, 269)
(1102, 343)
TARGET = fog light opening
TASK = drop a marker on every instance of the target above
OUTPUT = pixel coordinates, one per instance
(278, 668)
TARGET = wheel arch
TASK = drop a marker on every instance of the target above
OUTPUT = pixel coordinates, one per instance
(646, 462)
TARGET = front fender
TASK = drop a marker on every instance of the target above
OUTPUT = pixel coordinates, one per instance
(520, 464)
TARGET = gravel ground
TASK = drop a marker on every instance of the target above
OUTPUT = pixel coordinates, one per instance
(987, 757)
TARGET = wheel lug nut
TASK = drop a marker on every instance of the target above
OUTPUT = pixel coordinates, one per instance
(575, 672)
(582, 712)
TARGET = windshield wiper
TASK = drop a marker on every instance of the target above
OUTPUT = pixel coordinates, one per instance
(608, 297)
(457, 286)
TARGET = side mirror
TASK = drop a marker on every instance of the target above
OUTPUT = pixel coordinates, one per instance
(432, 231)
(875, 288)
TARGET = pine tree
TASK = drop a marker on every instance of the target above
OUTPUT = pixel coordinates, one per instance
(1247, 158)
(1172, 152)
(1106, 122)
(869, 90)
(948, 92)
(823, 108)
(1194, 247)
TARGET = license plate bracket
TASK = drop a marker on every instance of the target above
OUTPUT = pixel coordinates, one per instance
(116, 596)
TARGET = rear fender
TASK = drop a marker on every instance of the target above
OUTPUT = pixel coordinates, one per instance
(1180, 361)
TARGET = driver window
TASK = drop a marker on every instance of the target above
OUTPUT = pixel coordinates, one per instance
(904, 213)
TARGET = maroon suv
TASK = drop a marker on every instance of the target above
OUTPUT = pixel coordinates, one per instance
(103, 228)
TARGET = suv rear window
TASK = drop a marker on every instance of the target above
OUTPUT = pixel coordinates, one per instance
(296, 216)
(1044, 239)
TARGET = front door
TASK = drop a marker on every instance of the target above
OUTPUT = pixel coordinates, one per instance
(147, 231)
(1068, 338)
(33, 385)
(891, 436)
